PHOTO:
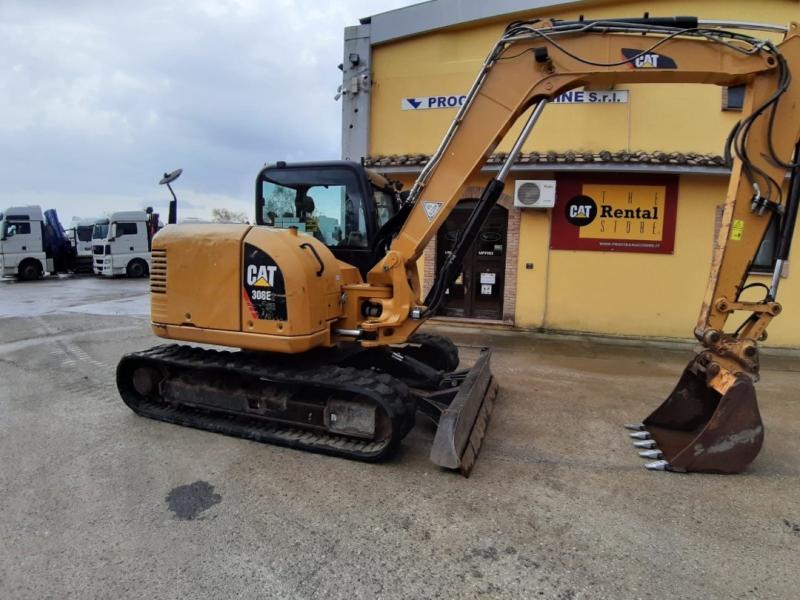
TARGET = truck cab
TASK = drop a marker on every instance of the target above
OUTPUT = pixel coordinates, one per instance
(22, 252)
(80, 236)
(121, 244)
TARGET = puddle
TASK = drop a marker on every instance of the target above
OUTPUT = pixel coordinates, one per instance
(188, 501)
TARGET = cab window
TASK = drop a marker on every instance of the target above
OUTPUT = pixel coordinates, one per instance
(84, 233)
(100, 231)
(325, 203)
(12, 229)
(126, 229)
(385, 206)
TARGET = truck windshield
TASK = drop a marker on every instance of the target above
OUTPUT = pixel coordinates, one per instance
(100, 231)
(85, 233)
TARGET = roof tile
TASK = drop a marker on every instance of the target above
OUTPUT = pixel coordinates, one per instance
(692, 159)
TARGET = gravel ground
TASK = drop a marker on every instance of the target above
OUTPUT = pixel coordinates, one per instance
(99, 503)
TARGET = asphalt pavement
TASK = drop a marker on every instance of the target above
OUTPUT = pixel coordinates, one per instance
(100, 503)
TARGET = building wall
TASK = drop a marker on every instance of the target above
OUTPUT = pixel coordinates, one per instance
(657, 117)
(616, 293)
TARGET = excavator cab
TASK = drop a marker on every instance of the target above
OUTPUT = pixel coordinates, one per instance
(345, 206)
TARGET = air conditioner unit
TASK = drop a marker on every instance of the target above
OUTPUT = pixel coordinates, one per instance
(535, 193)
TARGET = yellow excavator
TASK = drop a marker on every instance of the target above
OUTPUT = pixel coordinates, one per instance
(321, 299)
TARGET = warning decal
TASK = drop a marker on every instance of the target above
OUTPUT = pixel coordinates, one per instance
(737, 230)
(263, 288)
(431, 209)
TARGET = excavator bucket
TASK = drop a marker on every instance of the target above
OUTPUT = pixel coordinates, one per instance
(462, 415)
(697, 429)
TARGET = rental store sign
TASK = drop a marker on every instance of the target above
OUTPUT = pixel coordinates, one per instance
(571, 97)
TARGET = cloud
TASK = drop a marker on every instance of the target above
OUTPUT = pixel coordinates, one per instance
(100, 97)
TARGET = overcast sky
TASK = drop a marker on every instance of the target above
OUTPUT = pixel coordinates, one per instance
(99, 97)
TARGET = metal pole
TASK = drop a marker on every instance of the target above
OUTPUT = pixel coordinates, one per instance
(743, 25)
(787, 227)
(523, 136)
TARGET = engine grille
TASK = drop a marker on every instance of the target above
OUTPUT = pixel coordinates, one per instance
(158, 272)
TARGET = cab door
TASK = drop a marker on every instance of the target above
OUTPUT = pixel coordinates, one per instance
(22, 238)
(126, 238)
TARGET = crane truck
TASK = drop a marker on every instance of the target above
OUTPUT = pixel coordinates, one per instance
(33, 243)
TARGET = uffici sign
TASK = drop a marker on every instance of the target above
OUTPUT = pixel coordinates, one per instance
(571, 97)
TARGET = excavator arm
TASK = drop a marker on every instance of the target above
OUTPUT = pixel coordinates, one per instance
(534, 62)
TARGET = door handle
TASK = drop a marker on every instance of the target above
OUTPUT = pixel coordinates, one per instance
(131, 248)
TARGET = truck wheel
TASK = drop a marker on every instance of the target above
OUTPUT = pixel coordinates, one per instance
(30, 270)
(137, 268)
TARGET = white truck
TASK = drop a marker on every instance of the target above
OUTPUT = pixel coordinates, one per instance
(121, 244)
(33, 243)
(80, 235)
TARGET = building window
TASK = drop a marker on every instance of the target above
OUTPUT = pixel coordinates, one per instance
(764, 261)
(733, 97)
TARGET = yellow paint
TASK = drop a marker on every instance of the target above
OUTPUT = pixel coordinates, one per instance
(624, 200)
(532, 295)
(657, 117)
(613, 293)
(625, 293)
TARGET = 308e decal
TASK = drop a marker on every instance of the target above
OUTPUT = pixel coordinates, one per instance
(263, 288)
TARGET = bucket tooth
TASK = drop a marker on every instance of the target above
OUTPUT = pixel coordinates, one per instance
(640, 435)
(699, 429)
(658, 465)
(654, 454)
(645, 444)
(634, 426)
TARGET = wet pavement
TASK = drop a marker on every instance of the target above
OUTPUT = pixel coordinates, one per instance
(99, 503)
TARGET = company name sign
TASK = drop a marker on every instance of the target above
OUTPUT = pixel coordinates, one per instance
(571, 97)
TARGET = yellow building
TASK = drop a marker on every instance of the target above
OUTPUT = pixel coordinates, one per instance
(405, 73)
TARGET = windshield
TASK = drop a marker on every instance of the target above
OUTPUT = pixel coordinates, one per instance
(100, 231)
(85, 233)
(324, 203)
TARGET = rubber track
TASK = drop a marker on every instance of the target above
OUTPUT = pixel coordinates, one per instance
(391, 395)
(438, 344)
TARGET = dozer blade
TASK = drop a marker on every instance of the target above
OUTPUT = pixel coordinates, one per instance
(463, 420)
(697, 429)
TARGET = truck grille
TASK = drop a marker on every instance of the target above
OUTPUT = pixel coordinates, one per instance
(158, 272)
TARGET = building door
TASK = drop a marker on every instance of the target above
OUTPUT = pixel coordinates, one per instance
(478, 291)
